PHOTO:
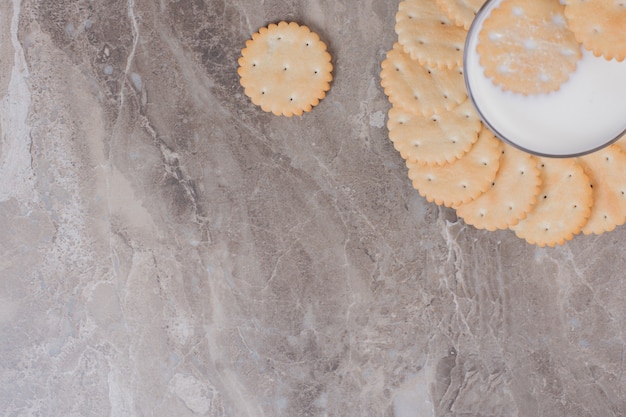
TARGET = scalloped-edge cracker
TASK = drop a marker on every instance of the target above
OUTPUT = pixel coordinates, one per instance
(428, 35)
(461, 12)
(563, 206)
(434, 140)
(605, 169)
(526, 46)
(599, 25)
(462, 180)
(511, 196)
(285, 69)
(419, 89)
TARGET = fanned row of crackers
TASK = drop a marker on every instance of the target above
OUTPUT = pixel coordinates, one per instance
(455, 161)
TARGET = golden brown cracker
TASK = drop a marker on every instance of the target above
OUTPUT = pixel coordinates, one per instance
(462, 180)
(461, 12)
(511, 196)
(285, 69)
(428, 36)
(621, 143)
(563, 206)
(437, 139)
(419, 89)
(526, 46)
(606, 170)
(599, 25)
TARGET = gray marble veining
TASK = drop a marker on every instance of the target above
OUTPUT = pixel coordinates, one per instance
(167, 249)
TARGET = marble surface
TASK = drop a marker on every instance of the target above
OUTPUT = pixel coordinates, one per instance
(168, 249)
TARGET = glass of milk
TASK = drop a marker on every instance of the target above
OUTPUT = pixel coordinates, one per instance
(587, 113)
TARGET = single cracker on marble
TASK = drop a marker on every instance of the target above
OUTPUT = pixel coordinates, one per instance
(511, 196)
(285, 69)
(605, 169)
(462, 180)
(428, 36)
(461, 12)
(599, 25)
(434, 140)
(420, 89)
(563, 206)
(526, 46)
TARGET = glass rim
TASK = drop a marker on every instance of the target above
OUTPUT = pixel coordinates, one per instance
(473, 27)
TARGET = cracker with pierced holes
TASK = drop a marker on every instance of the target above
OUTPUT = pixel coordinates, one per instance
(462, 180)
(419, 89)
(599, 25)
(428, 36)
(461, 12)
(511, 196)
(434, 140)
(285, 69)
(526, 46)
(563, 206)
(605, 169)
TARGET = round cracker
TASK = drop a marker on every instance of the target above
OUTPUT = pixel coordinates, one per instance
(461, 12)
(511, 196)
(285, 69)
(428, 35)
(437, 139)
(464, 179)
(526, 47)
(563, 206)
(605, 169)
(419, 89)
(599, 26)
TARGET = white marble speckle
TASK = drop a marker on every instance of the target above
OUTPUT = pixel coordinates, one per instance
(412, 398)
(377, 119)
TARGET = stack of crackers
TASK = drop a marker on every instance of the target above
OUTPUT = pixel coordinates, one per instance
(455, 161)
